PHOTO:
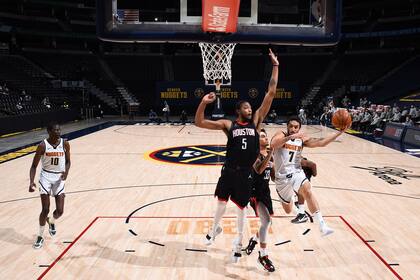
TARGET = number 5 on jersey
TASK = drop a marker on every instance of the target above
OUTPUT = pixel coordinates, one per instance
(243, 143)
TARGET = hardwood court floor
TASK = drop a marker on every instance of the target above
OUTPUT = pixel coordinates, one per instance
(376, 223)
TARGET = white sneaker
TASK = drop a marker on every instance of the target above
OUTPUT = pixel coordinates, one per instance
(236, 251)
(211, 237)
(325, 230)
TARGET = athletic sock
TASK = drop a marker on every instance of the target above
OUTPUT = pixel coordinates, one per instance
(51, 219)
(301, 208)
(220, 210)
(241, 223)
(41, 231)
(263, 252)
(320, 219)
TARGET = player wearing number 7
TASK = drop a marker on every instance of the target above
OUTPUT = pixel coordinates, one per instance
(241, 152)
(289, 176)
(54, 154)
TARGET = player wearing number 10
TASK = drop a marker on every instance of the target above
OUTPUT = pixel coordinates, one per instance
(241, 152)
(54, 154)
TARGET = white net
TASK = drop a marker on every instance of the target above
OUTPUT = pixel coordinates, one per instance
(217, 62)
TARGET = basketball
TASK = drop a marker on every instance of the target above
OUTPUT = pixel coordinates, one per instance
(341, 119)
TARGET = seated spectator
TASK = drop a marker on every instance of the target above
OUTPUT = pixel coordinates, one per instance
(357, 117)
(413, 112)
(366, 120)
(153, 117)
(376, 122)
(404, 112)
(324, 117)
(100, 112)
(19, 106)
(388, 113)
(302, 116)
(408, 121)
(184, 117)
(397, 116)
(46, 102)
(364, 102)
(395, 109)
(345, 102)
(272, 117)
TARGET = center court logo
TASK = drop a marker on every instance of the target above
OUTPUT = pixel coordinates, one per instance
(195, 155)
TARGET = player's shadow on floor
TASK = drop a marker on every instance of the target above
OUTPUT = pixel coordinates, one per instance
(163, 257)
(10, 235)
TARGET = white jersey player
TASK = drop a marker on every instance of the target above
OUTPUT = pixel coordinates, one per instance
(289, 175)
(54, 154)
(53, 163)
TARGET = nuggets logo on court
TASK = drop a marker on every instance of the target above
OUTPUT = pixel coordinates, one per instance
(385, 172)
(197, 155)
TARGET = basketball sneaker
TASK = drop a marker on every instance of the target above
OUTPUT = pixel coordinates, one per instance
(300, 218)
(251, 246)
(51, 228)
(325, 230)
(38, 243)
(236, 251)
(211, 236)
(266, 263)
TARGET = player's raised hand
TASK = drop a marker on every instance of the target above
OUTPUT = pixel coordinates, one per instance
(273, 58)
(299, 135)
(209, 98)
(32, 187)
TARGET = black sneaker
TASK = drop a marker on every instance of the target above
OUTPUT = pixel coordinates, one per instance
(51, 228)
(251, 246)
(300, 218)
(38, 243)
(265, 263)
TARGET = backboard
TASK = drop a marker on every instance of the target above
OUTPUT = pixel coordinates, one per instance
(281, 22)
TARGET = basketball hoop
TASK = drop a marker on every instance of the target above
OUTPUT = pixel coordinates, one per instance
(217, 63)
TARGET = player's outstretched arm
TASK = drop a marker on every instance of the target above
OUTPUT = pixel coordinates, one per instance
(40, 150)
(273, 172)
(322, 142)
(280, 139)
(68, 162)
(261, 165)
(262, 111)
(202, 122)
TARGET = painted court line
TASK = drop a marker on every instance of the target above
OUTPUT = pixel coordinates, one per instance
(373, 250)
(208, 217)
